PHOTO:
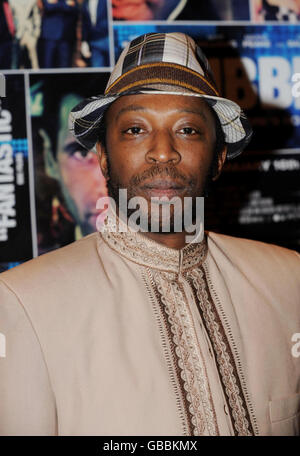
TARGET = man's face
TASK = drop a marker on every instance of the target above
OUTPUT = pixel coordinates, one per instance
(80, 178)
(158, 146)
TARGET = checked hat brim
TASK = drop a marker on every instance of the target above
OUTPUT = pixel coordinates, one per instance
(86, 117)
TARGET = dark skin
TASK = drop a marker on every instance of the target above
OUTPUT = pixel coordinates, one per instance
(160, 145)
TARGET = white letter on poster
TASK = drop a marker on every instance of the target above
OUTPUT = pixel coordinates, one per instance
(275, 86)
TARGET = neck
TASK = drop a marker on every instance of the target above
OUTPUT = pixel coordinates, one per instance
(171, 240)
(176, 240)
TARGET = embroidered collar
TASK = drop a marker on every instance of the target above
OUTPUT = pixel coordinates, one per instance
(144, 251)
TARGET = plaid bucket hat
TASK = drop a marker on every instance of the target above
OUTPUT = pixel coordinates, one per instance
(161, 63)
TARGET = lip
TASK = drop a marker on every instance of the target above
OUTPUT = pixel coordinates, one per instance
(163, 187)
(163, 184)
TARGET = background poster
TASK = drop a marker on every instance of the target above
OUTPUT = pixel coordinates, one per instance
(42, 34)
(68, 180)
(15, 214)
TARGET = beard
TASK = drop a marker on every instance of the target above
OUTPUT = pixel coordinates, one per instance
(114, 184)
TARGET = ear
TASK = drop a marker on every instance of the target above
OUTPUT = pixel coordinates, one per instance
(221, 160)
(102, 159)
(51, 166)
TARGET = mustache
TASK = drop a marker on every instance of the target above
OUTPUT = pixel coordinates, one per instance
(162, 172)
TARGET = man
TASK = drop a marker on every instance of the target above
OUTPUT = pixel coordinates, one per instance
(95, 44)
(7, 31)
(58, 34)
(28, 26)
(142, 333)
(277, 10)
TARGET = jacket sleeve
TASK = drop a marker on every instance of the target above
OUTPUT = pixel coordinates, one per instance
(85, 23)
(27, 402)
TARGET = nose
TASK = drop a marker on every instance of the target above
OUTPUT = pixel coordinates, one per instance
(162, 149)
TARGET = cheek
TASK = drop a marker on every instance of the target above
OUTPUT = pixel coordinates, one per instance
(81, 178)
(125, 159)
(69, 172)
(198, 158)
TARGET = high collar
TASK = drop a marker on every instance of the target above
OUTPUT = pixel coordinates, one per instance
(136, 247)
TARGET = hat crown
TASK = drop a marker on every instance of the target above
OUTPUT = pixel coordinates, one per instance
(155, 49)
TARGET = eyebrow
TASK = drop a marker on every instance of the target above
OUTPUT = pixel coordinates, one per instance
(130, 108)
(194, 111)
(142, 108)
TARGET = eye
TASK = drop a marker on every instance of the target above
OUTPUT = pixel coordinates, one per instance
(75, 150)
(83, 155)
(189, 131)
(135, 131)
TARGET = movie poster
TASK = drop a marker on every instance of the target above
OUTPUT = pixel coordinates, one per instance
(39, 34)
(68, 179)
(15, 211)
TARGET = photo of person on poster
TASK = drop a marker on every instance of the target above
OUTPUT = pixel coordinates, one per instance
(94, 33)
(7, 32)
(69, 175)
(276, 10)
(58, 33)
(54, 34)
(27, 20)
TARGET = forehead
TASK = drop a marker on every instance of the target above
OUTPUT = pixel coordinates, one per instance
(162, 103)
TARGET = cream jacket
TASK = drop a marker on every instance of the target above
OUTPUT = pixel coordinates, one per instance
(118, 335)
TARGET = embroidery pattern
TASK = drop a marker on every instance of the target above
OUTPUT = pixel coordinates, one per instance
(144, 251)
(169, 351)
(230, 379)
(190, 359)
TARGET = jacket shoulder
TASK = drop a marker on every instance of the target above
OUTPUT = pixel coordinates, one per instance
(55, 265)
(254, 254)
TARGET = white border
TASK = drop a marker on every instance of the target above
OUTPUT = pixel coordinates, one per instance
(33, 216)
(111, 35)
